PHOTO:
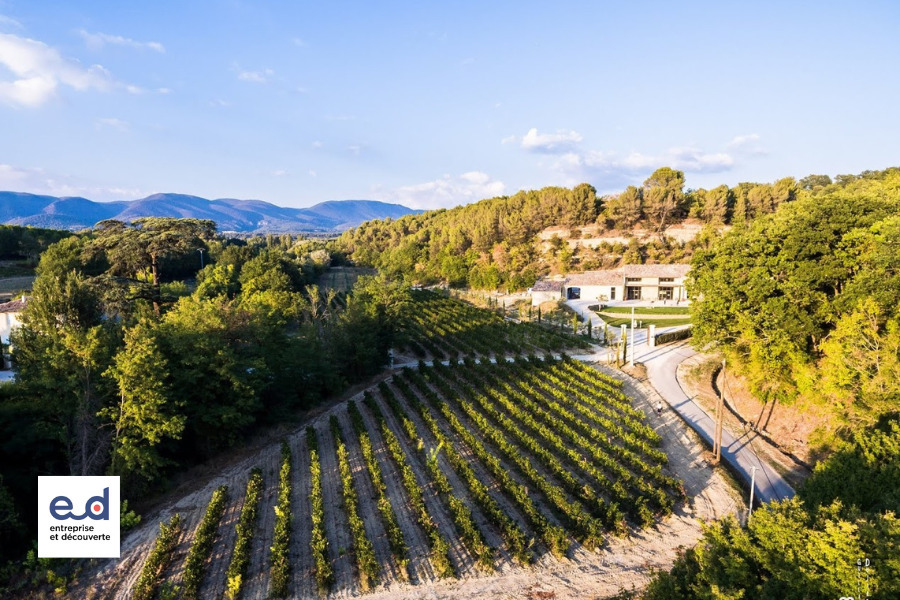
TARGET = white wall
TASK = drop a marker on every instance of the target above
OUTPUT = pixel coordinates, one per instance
(8, 321)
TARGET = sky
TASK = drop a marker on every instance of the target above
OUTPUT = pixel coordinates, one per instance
(436, 104)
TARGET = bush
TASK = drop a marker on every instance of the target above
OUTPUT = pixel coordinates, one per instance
(673, 336)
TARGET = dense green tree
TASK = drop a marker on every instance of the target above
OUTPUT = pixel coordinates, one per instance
(625, 209)
(769, 292)
(663, 197)
(144, 415)
(139, 247)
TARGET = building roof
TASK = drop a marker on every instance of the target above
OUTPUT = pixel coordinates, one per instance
(607, 277)
(547, 285)
(655, 270)
(617, 276)
(16, 306)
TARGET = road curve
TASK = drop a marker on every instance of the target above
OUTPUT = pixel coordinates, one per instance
(661, 364)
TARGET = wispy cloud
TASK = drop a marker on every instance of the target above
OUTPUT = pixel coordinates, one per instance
(40, 70)
(748, 144)
(299, 42)
(614, 168)
(40, 181)
(96, 41)
(445, 192)
(9, 22)
(262, 76)
(112, 123)
(547, 143)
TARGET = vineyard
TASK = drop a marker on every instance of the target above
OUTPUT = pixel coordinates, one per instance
(440, 472)
(440, 327)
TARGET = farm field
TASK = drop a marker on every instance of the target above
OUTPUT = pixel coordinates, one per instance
(439, 473)
(438, 327)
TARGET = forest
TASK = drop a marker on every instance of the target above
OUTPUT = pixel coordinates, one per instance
(806, 301)
(491, 244)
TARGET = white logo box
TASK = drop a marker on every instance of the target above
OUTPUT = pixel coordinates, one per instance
(78, 517)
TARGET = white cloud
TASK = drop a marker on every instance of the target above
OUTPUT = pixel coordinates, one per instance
(547, 143)
(9, 22)
(445, 192)
(255, 76)
(219, 103)
(299, 42)
(748, 145)
(615, 168)
(39, 181)
(312, 173)
(279, 173)
(96, 41)
(112, 123)
(39, 70)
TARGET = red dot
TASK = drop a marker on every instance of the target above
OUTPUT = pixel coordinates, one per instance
(96, 508)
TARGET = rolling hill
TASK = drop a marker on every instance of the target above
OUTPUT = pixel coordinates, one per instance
(244, 216)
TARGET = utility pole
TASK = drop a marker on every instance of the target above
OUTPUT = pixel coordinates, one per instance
(752, 487)
(720, 417)
(631, 361)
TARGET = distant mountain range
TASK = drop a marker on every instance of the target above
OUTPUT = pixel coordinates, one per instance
(244, 216)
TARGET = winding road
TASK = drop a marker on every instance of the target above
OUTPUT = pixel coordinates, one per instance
(661, 364)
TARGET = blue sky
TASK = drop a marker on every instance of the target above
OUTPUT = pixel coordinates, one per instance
(436, 104)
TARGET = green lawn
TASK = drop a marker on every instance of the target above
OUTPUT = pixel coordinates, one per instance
(647, 310)
(644, 321)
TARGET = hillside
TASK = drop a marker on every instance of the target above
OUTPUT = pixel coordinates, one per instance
(244, 216)
(511, 241)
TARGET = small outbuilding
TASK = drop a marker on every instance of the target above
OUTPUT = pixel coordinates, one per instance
(546, 290)
(9, 318)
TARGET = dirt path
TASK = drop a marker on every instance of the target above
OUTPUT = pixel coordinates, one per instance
(462, 561)
(303, 583)
(368, 508)
(337, 527)
(420, 566)
(491, 535)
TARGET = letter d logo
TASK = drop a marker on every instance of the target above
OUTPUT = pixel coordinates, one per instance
(98, 506)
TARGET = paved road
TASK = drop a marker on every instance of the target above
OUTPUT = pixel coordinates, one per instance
(661, 363)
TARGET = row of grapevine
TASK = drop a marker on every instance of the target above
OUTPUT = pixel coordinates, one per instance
(201, 547)
(593, 442)
(588, 529)
(638, 450)
(552, 535)
(279, 557)
(159, 560)
(516, 540)
(240, 557)
(444, 327)
(319, 542)
(469, 532)
(399, 549)
(548, 439)
(440, 547)
(635, 437)
(362, 548)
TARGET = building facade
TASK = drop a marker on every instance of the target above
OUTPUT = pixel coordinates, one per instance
(629, 282)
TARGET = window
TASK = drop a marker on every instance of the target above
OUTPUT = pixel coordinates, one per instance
(634, 293)
(612, 293)
(632, 280)
(667, 280)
